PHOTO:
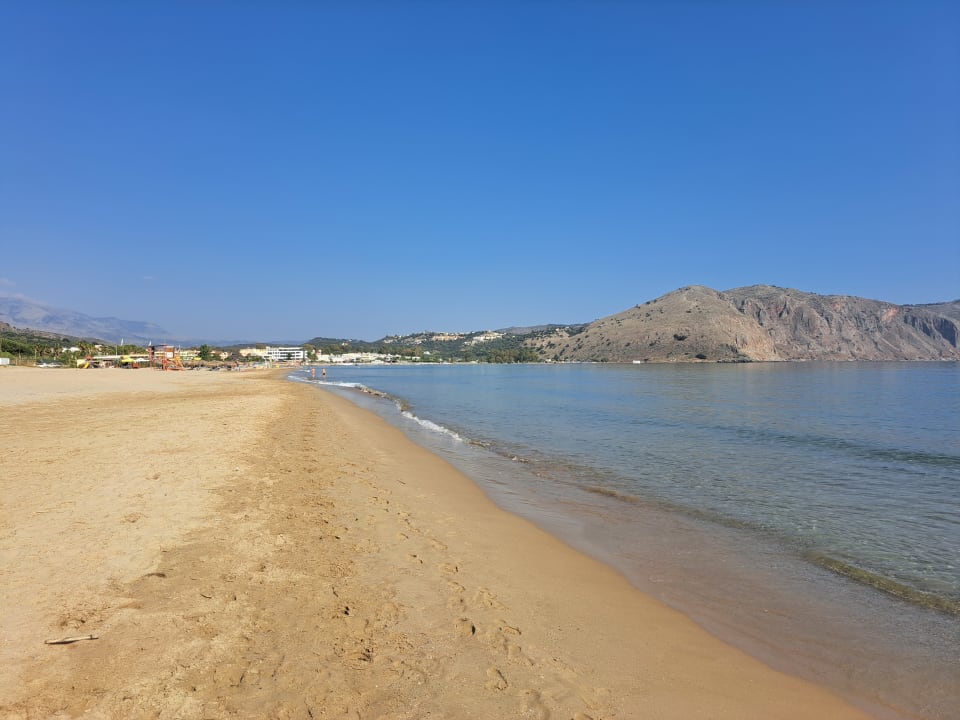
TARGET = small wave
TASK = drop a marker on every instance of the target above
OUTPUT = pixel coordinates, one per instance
(432, 426)
(315, 381)
(885, 584)
(350, 386)
(608, 492)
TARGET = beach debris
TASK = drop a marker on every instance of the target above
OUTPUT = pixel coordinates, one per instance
(71, 639)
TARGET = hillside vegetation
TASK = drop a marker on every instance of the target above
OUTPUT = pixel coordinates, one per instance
(501, 346)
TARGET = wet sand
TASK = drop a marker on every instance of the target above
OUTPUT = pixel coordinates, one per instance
(245, 546)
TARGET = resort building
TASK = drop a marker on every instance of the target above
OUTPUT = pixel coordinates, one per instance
(356, 357)
(285, 354)
(484, 337)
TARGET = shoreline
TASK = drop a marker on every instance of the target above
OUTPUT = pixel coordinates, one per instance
(298, 555)
(774, 604)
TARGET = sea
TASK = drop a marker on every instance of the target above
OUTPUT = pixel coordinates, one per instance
(807, 513)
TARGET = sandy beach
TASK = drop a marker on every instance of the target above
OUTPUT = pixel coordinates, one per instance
(242, 546)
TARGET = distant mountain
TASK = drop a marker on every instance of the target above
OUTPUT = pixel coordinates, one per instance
(762, 322)
(22, 313)
(692, 324)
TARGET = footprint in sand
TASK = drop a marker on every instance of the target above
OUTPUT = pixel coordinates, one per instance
(465, 628)
(496, 680)
(456, 598)
(408, 673)
(487, 599)
(515, 654)
(388, 614)
(502, 639)
(533, 705)
(456, 602)
(509, 629)
(367, 546)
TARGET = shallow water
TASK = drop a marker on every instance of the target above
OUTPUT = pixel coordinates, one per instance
(809, 513)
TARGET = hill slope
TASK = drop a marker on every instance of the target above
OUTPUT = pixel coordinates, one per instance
(24, 313)
(762, 322)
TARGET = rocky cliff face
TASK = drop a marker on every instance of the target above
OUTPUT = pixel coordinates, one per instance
(762, 322)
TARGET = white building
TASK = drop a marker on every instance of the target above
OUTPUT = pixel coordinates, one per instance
(285, 354)
(355, 357)
(484, 337)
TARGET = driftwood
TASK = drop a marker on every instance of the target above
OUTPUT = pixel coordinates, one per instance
(72, 639)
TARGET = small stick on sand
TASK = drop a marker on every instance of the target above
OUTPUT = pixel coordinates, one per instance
(73, 639)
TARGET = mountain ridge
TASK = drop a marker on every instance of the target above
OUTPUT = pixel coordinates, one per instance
(23, 313)
(691, 324)
(764, 323)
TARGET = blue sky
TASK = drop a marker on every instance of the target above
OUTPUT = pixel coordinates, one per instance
(271, 170)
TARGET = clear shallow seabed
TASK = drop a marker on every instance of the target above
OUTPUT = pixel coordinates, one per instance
(806, 512)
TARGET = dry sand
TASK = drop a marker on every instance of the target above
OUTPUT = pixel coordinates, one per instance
(244, 546)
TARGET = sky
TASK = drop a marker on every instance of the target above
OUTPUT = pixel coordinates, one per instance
(265, 170)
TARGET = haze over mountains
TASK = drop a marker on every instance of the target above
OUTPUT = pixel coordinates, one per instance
(692, 324)
(23, 313)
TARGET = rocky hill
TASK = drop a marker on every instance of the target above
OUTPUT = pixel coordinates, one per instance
(762, 322)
